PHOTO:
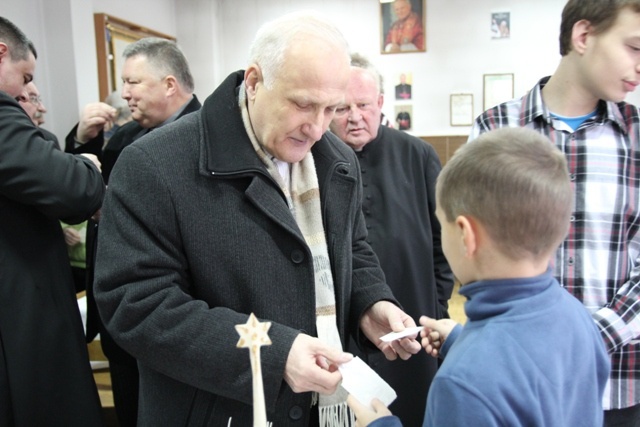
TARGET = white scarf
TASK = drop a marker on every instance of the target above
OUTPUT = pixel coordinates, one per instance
(304, 204)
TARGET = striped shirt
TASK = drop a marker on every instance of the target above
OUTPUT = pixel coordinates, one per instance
(599, 261)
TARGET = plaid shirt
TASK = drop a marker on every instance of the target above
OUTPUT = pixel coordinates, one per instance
(599, 262)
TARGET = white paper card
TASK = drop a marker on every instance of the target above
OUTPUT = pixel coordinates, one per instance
(364, 383)
(397, 335)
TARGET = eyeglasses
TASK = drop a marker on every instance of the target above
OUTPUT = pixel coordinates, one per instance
(35, 100)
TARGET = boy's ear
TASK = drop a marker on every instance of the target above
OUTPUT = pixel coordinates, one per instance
(467, 228)
(581, 30)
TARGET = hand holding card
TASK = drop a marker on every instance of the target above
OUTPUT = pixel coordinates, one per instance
(408, 332)
(364, 383)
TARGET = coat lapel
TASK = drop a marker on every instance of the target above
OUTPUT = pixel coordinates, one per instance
(272, 204)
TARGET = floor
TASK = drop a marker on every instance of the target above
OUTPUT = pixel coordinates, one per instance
(103, 383)
(456, 305)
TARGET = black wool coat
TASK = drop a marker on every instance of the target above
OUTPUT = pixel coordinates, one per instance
(195, 235)
(45, 376)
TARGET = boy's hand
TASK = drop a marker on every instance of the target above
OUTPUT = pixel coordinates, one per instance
(434, 334)
(364, 414)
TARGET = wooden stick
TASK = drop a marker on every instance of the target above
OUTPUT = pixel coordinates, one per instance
(253, 335)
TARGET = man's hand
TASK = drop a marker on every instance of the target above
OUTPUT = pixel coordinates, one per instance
(384, 317)
(94, 160)
(434, 334)
(94, 118)
(71, 236)
(313, 366)
(366, 415)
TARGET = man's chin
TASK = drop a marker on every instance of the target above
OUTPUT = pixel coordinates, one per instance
(357, 145)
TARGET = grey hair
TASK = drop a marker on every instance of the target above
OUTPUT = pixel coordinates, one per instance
(165, 57)
(19, 45)
(360, 61)
(274, 38)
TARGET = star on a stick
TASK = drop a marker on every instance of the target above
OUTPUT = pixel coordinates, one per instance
(253, 333)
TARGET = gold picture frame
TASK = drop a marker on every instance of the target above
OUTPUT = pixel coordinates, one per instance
(403, 26)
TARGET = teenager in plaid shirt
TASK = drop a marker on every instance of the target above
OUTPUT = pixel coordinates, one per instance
(581, 109)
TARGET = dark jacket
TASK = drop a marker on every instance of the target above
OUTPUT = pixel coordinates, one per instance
(45, 377)
(196, 238)
(399, 173)
(123, 137)
(127, 134)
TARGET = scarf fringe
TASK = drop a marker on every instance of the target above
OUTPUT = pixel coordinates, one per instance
(338, 415)
(269, 423)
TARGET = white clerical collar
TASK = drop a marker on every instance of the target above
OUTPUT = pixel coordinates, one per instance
(284, 169)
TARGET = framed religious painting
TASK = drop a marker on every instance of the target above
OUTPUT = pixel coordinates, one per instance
(403, 26)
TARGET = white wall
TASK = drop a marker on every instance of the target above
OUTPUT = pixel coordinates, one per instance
(459, 47)
(216, 34)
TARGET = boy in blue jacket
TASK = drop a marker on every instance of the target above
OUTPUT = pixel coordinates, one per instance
(530, 353)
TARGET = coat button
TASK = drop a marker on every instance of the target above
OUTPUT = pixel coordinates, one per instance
(297, 256)
(295, 413)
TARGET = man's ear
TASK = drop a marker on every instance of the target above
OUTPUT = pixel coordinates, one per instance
(4, 51)
(380, 100)
(252, 77)
(579, 34)
(171, 84)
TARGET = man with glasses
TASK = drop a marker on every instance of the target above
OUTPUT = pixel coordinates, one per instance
(31, 102)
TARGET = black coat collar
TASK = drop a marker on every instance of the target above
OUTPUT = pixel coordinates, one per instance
(226, 147)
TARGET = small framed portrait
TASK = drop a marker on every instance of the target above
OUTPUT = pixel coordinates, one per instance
(403, 87)
(461, 109)
(404, 113)
(501, 25)
(403, 26)
(497, 88)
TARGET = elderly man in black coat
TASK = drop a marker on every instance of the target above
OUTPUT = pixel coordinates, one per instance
(247, 206)
(399, 174)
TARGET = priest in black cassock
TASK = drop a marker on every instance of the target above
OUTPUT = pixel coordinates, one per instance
(399, 174)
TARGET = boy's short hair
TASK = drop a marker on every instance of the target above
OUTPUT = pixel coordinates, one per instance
(602, 14)
(516, 183)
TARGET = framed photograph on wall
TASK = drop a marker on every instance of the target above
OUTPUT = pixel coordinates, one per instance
(403, 26)
(461, 105)
(403, 87)
(501, 25)
(497, 88)
(403, 113)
